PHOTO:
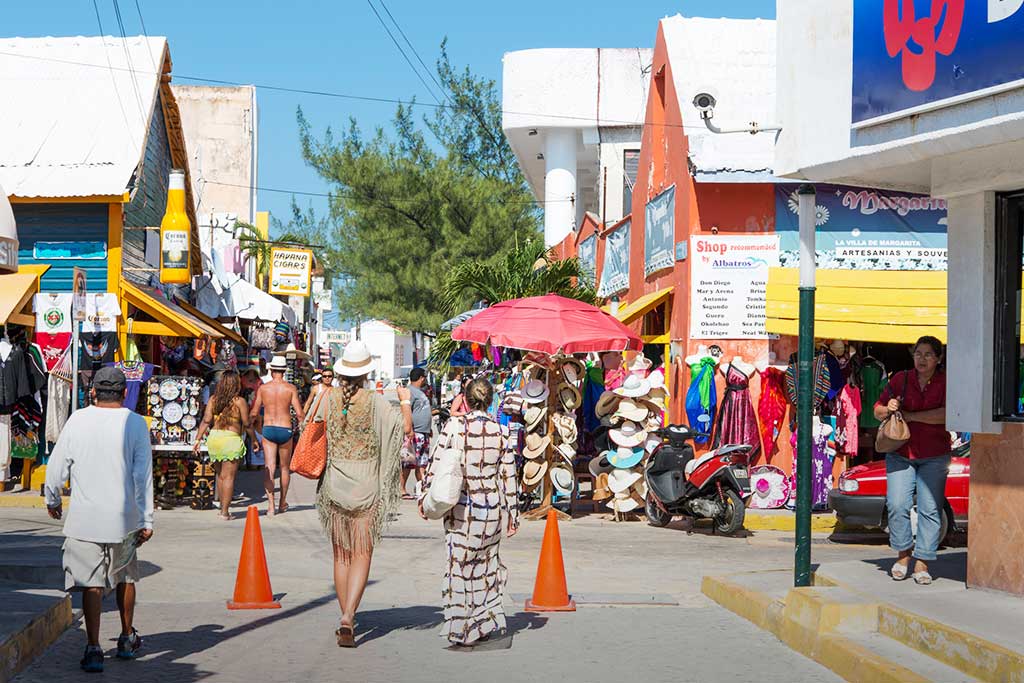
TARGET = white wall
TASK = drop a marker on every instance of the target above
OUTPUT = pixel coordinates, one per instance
(380, 339)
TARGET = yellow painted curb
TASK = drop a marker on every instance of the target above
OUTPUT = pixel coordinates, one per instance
(784, 521)
(753, 605)
(21, 648)
(854, 662)
(26, 500)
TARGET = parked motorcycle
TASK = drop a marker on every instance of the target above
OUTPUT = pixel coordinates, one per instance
(713, 486)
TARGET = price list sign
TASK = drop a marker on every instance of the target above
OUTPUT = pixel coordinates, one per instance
(728, 278)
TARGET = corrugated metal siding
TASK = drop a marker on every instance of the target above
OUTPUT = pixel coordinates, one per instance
(63, 223)
(150, 200)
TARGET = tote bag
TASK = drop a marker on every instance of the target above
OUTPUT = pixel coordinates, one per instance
(894, 432)
(310, 455)
(446, 482)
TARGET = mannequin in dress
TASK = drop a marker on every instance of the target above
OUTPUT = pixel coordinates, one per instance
(738, 363)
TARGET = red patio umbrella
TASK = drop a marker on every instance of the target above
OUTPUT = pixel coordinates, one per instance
(549, 324)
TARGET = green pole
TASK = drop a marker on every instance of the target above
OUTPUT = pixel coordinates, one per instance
(805, 387)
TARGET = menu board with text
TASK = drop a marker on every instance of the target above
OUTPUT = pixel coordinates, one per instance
(728, 277)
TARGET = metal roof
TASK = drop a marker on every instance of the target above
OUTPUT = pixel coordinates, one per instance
(75, 112)
(734, 60)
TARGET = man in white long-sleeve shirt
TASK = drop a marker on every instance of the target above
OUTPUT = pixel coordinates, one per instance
(105, 451)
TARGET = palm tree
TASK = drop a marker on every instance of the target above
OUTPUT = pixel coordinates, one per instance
(527, 269)
(256, 247)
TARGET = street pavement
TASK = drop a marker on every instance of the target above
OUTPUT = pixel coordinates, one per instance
(618, 570)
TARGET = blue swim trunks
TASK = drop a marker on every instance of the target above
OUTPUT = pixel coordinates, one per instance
(278, 435)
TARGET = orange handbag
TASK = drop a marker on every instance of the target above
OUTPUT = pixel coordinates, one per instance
(310, 456)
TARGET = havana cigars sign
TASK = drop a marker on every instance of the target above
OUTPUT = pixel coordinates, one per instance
(728, 281)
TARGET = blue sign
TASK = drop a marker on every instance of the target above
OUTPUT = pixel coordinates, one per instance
(60, 251)
(911, 54)
(587, 255)
(615, 267)
(659, 231)
(861, 229)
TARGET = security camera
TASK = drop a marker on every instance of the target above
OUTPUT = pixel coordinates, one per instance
(705, 104)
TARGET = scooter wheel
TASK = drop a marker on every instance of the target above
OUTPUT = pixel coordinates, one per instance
(731, 519)
(656, 516)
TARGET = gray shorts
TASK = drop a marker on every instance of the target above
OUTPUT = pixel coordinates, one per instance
(99, 565)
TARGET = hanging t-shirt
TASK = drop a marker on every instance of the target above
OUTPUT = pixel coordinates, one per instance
(137, 373)
(53, 326)
(101, 312)
(98, 349)
(15, 382)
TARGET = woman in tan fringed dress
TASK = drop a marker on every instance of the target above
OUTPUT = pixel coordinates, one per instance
(358, 494)
(475, 579)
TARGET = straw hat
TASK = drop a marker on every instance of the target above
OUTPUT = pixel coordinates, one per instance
(567, 452)
(628, 434)
(573, 370)
(355, 360)
(569, 396)
(623, 502)
(536, 445)
(293, 351)
(658, 388)
(634, 387)
(601, 490)
(565, 425)
(635, 411)
(620, 481)
(534, 415)
(535, 391)
(562, 478)
(626, 458)
(534, 471)
(600, 465)
(607, 403)
(640, 489)
(279, 363)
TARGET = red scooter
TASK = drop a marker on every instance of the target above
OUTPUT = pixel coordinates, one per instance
(713, 486)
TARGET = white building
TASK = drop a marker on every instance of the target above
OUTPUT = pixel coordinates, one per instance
(569, 114)
(935, 105)
(392, 349)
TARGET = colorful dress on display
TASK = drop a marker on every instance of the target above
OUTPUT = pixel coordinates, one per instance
(849, 419)
(737, 423)
(771, 409)
(821, 465)
(474, 582)
(701, 398)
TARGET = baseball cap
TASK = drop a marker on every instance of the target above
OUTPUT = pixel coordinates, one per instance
(109, 379)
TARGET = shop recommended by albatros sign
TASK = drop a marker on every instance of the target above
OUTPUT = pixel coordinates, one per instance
(290, 271)
(728, 280)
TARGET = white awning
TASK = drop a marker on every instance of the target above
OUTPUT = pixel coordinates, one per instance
(239, 299)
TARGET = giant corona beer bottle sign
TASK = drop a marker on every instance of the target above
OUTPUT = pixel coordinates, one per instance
(175, 232)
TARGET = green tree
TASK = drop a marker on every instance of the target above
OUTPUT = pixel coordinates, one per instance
(405, 209)
(527, 269)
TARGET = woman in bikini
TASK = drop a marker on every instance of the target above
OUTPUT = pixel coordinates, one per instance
(228, 413)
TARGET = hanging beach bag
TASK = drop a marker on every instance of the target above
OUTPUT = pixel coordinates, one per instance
(310, 456)
(446, 474)
(894, 432)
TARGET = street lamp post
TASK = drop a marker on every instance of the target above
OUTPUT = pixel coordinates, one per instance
(805, 386)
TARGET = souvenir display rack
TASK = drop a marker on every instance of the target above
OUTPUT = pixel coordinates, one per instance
(175, 410)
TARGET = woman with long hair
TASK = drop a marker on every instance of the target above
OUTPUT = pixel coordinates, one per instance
(918, 470)
(475, 578)
(228, 414)
(358, 493)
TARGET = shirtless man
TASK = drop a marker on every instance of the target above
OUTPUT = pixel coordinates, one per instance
(276, 397)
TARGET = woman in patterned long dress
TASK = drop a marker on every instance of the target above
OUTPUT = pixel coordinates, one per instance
(475, 579)
(358, 494)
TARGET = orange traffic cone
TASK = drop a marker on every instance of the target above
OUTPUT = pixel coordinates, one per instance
(252, 585)
(550, 593)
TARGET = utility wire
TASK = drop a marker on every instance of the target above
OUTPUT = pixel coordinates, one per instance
(347, 96)
(380, 200)
(128, 59)
(414, 51)
(110, 68)
(402, 51)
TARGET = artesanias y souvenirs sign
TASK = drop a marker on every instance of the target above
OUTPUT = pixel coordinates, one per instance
(728, 276)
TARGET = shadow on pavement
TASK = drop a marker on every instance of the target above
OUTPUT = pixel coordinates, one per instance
(375, 624)
(951, 566)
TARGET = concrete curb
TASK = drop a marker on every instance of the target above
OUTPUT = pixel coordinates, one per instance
(823, 622)
(22, 647)
(26, 500)
(770, 520)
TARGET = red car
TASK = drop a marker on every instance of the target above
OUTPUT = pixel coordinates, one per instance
(859, 500)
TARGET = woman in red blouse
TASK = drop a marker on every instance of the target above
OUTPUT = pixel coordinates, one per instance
(921, 465)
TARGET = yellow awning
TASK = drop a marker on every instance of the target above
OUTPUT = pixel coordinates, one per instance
(16, 292)
(638, 308)
(865, 305)
(172, 319)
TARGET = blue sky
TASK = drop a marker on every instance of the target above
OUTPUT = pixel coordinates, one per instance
(341, 47)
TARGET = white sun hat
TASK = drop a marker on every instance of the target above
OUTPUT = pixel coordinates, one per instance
(634, 387)
(355, 360)
(628, 434)
(562, 478)
(634, 411)
(620, 481)
(535, 391)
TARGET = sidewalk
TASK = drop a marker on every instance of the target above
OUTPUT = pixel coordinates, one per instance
(863, 625)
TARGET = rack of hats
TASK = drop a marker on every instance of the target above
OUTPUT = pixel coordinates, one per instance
(630, 417)
(550, 398)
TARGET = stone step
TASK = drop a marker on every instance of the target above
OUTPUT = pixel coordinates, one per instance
(908, 665)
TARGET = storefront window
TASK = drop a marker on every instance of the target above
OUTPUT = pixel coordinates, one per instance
(1008, 384)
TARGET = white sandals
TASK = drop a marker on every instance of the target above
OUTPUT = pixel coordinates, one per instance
(898, 571)
(922, 578)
